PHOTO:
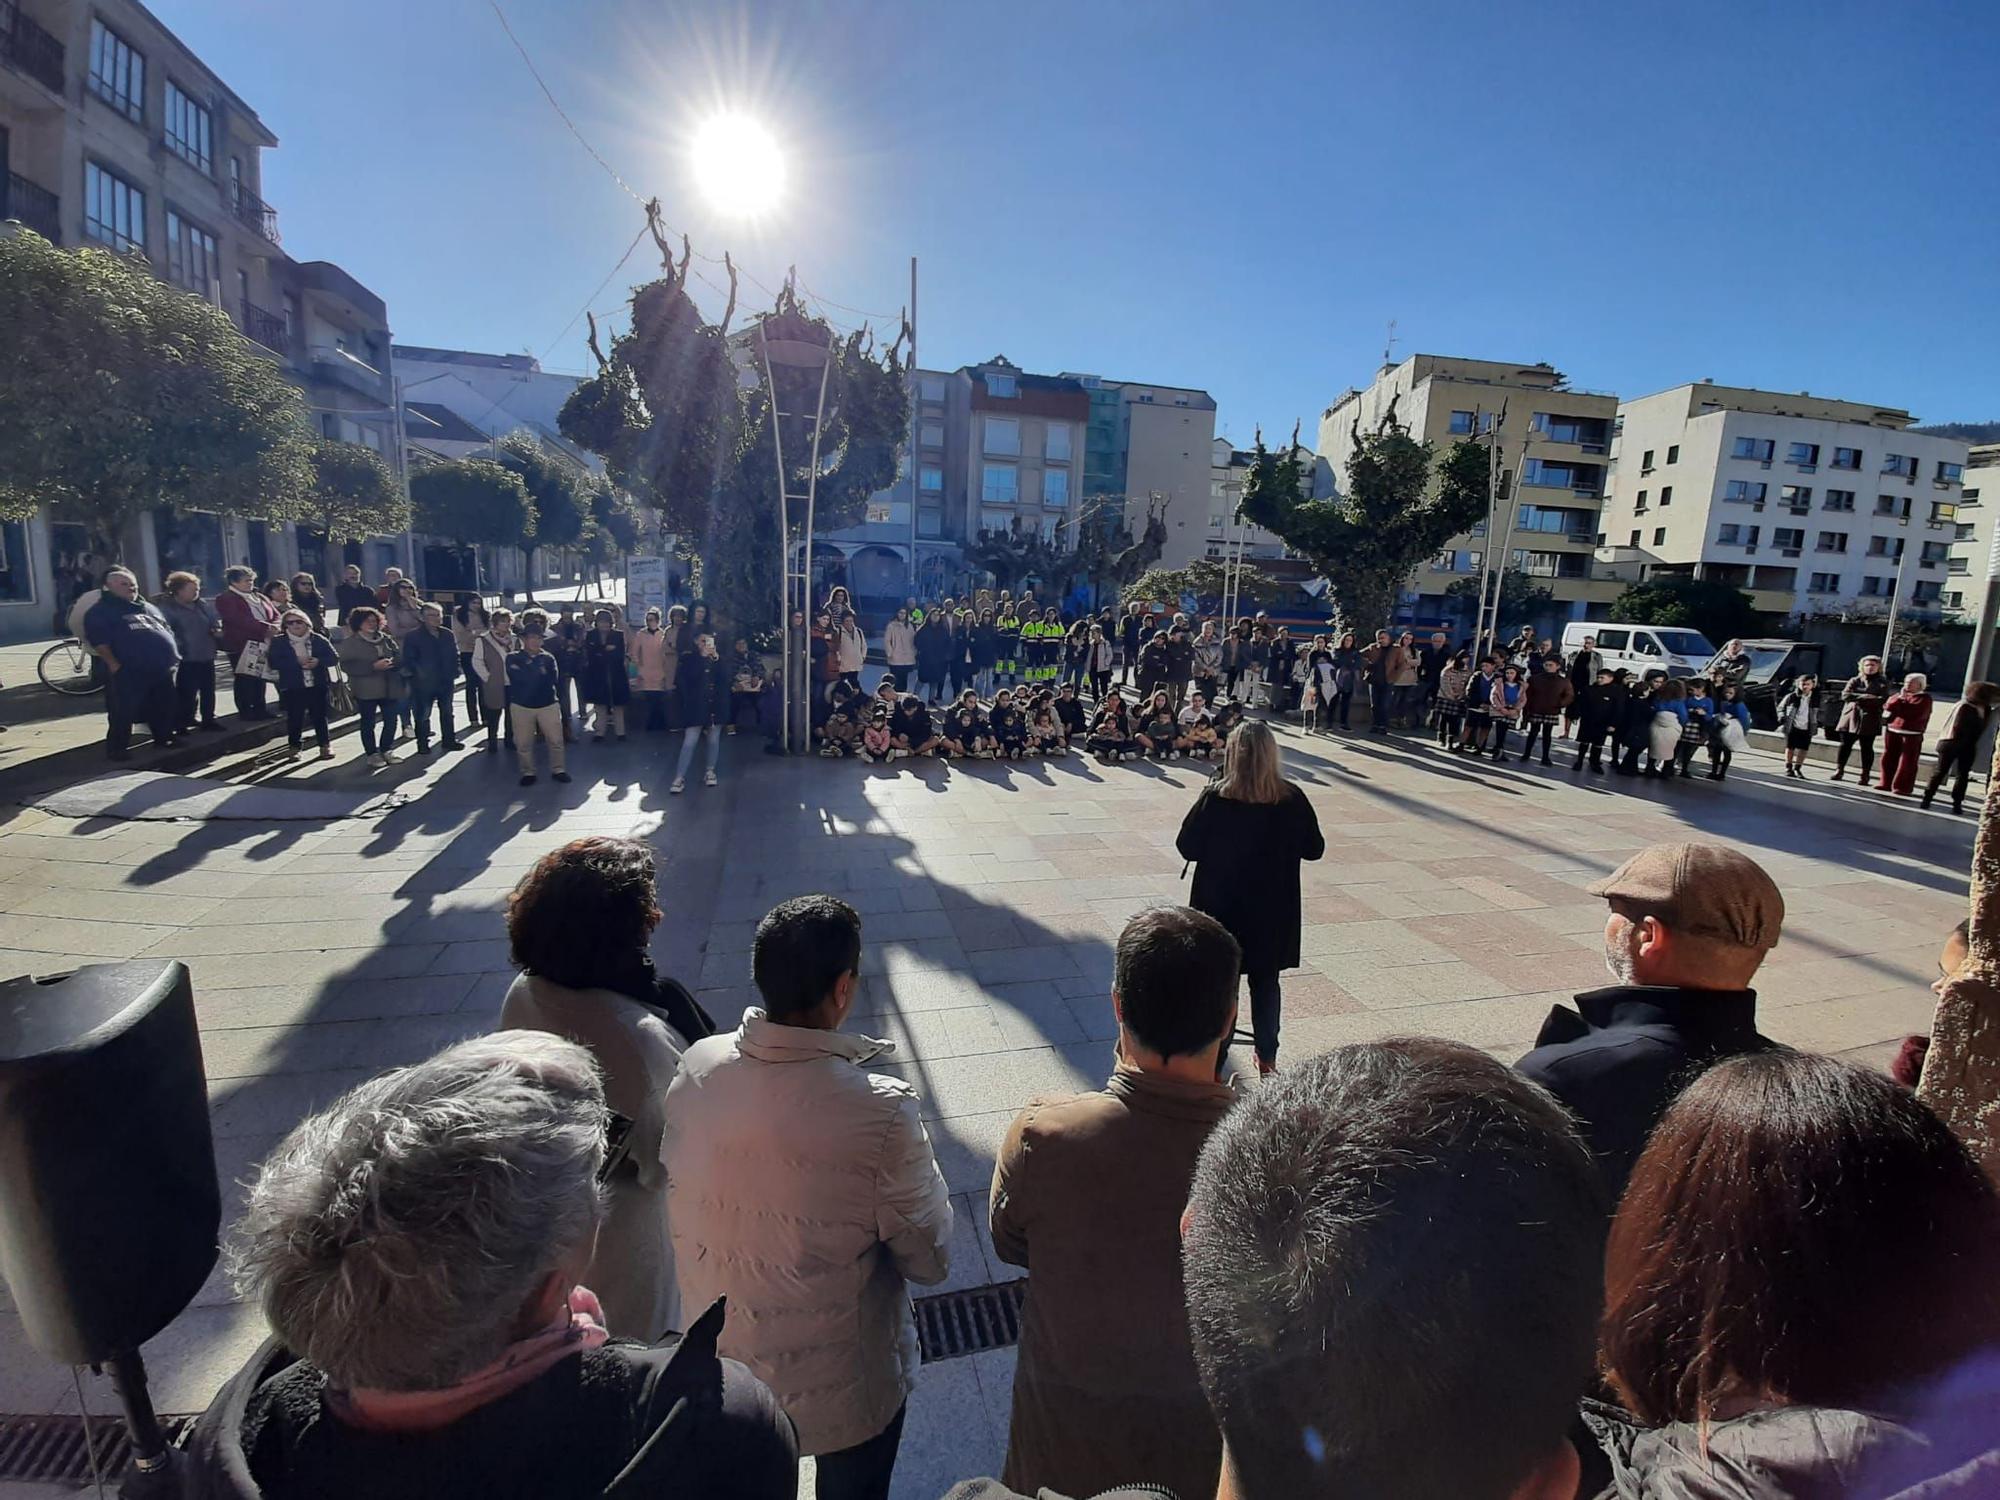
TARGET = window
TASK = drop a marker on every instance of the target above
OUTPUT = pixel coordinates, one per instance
(996, 520)
(1952, 600)
(1673, 453)
(1000, 484)
(1797, 496)
(930, 523)
(1744, 492)
(931, 434)
(1732, 535)
(1824, 583)
(1461, 423)
(1833, 541)
(1893, 505)
(930, 478)
(1967, 497)
(1846, 458)
(1943, 510)
(1964, 531)
(188, 129)
(1002, 386)
(1666, 495)
(1793, 537)
(1805, 455)
(931, 387)
(191, 257)
(1055, 442)
(1925, 591)
(1902, 465)
(1958, 565)
(1659, 536)
(1003, 435)
(114, 212)
(1877, 587)
(117, 73)
(1949, 473)
(1838, 500)
(1639, 505)
(1757, 450)
(1646, 462)
(1885, 546)
(1055, 486)
(1935, 552)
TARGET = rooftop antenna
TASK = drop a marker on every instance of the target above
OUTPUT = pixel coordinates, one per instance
(1388, 345)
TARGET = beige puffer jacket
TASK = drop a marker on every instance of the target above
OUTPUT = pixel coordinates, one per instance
(803, 1188)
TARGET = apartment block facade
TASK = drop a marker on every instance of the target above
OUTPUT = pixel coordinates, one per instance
(1811, 505)
(1228, 471)
(114, 134)
(1555, 439)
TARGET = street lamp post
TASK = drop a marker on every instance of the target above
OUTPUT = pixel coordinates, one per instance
(793, 349)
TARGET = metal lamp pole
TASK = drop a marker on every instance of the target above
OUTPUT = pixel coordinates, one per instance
(795, 355)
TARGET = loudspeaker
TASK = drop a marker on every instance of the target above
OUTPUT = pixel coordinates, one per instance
(109, 1204)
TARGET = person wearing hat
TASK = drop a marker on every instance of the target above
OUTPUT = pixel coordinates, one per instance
(1687, 928)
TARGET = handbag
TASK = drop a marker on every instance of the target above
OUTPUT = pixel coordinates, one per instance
(1733, 738)
(256, 662)
(339, 694)
(1849, 720)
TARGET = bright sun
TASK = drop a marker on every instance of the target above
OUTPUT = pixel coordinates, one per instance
(738, 165)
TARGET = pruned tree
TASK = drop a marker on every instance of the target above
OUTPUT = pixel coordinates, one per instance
(1204, 580)
(353, 494)
(1402, 502)
(680, 429)
(473, 502)
(120, 392)
(1020, 554)
(1521, 594)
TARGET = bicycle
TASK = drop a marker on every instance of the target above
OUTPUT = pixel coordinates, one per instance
(69, 668)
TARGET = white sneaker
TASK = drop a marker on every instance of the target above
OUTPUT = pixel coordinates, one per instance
(377, 759)
(679, 786)
(899, 754)
(708, 778)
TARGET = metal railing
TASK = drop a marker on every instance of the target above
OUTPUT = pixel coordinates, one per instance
(255, 212)
(34, 205)
(28, 47)
(266, 328)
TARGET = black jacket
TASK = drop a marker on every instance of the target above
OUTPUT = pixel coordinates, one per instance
(685, 1420)
(1600, 706)
(1246, 870)
(604, 679)
(1154, 665)
(1625, 1053)
(702, 686)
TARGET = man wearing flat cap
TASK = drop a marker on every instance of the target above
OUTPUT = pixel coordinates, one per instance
(1688, 926)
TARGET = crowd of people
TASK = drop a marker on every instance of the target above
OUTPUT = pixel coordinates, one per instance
(612, 1249)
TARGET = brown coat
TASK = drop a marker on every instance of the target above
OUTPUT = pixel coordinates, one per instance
(1549, 693)
(1088, 1194)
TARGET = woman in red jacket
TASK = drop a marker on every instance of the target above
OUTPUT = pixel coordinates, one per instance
(1903, 719)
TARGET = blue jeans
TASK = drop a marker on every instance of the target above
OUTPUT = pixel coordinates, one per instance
(384, 712)
(1264, 1013)
(688, 737)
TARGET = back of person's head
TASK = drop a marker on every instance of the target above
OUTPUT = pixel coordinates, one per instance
(1799, 1231)
(583, 916)
(1175, 976)
(396, 1239)
(803, 948)
(1251, 768)
(1393, 1272)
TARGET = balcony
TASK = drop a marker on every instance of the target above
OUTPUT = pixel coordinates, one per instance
(254, 213)
(33, 205)
(27, 47)
(266, 328)
(338, 366)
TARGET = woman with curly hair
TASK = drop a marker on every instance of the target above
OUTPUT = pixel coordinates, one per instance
(580, 923)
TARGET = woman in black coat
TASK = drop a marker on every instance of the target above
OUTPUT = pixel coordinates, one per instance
(703, 689)
(1246, 836)
(934, 646)
(607, 685)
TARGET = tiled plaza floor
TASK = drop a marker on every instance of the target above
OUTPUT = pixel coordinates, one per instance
(1449, 901)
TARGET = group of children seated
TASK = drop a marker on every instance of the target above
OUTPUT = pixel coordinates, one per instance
(1020, 723)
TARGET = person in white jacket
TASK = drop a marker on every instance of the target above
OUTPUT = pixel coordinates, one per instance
(899, 644)
(803, 1188)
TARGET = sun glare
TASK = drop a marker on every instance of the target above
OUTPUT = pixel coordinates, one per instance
(738, 165)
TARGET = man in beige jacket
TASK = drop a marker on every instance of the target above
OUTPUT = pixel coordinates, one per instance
(803, 1188)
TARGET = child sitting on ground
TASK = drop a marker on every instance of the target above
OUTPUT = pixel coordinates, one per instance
(1010, 730)
(875, 741)
(1158, 732)
(1045, 737)
(965, 729)
(1111, 736)
(841, 732)
(1069, 714)
(1224, 717)
(1201, 740)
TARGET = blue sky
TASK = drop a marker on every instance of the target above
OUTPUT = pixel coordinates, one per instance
(1791, 195)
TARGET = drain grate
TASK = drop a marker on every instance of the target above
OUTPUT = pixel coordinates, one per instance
(55, 1449)
(956, 1323)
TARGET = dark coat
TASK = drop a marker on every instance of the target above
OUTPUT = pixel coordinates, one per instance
(285, 662)
(1625, 1053)
(690, 1423)
(703, 688)
(429, 661)
(1155, 661)
(1868, 695)
(603, 678)
(1599, 706)
(1246, 870)
(934, 648)
(984, 647)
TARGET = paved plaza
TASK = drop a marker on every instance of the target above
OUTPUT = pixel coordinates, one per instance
(1450, 901)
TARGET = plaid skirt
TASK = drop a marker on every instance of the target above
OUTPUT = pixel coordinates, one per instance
(1695, 732)
(1537, 720)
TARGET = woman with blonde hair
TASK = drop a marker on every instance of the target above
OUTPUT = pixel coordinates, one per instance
(1246, 836)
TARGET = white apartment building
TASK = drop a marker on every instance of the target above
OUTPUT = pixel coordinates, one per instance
(1228, 471)
(1557, 437)
(1811, 505)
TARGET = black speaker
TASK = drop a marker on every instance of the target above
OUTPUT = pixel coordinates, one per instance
(109, 1204)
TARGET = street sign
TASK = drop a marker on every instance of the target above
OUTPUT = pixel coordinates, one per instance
(645, 586)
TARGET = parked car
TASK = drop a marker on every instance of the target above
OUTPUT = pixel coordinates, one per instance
(1643, 648)
(1774, 665)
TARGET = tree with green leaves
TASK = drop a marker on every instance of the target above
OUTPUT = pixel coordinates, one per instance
(1718, 610)
(1521, 594)
(353, 494)
(473, 502)
(679, 429)
(1402, 502)
(120, 392)
(558, 487)
(1204, 580)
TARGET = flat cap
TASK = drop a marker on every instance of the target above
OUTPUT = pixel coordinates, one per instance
(1708, 890)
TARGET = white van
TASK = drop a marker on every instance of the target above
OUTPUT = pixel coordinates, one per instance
(1642, 648)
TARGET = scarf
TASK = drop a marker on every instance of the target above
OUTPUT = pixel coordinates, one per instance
(579, 1326)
